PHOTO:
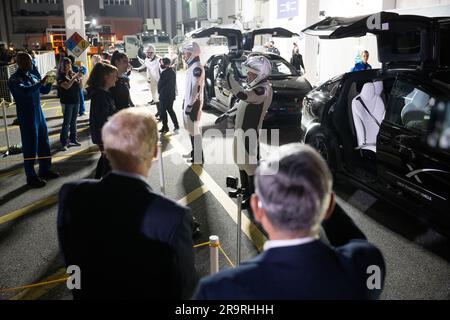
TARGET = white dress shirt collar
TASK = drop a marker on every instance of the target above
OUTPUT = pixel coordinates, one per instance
(271, 244)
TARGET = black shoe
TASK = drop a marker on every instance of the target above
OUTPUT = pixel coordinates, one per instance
(195, 227)
(152, 103)
(164, 130)
(36, 182)
(49, 175)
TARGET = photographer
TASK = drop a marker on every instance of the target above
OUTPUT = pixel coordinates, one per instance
(69, 93)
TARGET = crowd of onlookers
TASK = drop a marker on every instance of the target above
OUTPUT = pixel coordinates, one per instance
(131, 242)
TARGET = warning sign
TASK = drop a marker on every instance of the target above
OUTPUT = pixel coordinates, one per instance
(77, 44)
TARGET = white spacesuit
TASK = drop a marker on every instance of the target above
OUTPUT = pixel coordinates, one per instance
(152, 64)
(250, 111)
(193, 99)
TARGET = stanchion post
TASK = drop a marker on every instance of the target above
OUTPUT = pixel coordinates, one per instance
(161, 169)
(5, 124)
(240, 198)
(214, 254)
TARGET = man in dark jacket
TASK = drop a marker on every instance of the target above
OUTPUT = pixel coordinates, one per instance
(128, 241)
(167, 92)
(26, 88)
(293, 197)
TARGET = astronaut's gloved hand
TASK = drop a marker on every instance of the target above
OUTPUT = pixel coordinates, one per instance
(221, 118)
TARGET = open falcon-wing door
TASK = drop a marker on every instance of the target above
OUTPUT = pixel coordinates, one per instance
(402, 39)
(234, 36)
(249, 37)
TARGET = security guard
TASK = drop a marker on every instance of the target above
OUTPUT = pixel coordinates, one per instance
(254, 100)
(193, 100)
(26, 89)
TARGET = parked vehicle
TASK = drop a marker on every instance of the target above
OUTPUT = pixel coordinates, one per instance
(372, 127)
(288, 84)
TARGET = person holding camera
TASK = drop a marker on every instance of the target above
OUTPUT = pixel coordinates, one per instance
(293, 199)
(69, 94)
(254, 100)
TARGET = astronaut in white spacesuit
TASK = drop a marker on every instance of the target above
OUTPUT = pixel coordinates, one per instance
(151, 63)
(250, 110)
(193, 100)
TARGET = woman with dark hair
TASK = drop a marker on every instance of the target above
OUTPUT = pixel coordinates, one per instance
(121, 91)
(69, 95)
(103, 77)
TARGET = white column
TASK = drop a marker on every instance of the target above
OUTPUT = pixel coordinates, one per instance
(74, 20)
(309, 14)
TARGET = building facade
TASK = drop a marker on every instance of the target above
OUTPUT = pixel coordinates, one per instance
(26, 21)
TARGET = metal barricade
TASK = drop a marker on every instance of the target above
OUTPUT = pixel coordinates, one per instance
(5, 125)
(5, 74)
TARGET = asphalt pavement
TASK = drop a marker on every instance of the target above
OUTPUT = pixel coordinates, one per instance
(417, 258)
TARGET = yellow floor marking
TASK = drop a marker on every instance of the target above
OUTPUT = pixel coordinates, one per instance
(58, 159)
(29, 209)
(248, 227)
(194, 195)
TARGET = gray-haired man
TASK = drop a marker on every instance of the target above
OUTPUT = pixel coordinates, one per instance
(291, 205)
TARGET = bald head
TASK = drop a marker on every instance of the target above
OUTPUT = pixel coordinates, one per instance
(130, 140)
(24, 61)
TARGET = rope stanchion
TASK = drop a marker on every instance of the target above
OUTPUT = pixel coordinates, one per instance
(214, 254)
(42, 284)
(5, 124)
(161, 169)
(227, 257)
(205, 244)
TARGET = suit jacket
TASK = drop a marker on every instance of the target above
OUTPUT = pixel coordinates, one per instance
(304, 272)
(167, 85)
(129, 242)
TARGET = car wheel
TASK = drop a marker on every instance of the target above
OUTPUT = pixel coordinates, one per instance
(326, 148)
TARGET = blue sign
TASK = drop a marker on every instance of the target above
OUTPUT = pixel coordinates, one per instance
(287, 9)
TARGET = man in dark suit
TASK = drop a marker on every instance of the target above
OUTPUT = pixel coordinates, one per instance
(293, 196)
(129, 242)
(167, 87)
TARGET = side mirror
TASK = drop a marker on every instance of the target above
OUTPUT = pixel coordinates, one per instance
(439, 128)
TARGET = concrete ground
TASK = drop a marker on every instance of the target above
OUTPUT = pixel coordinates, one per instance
(417, 258)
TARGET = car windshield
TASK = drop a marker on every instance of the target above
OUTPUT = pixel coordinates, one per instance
(280, 68)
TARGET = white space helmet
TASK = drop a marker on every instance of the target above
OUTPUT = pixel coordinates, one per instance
(149, 49)
(260, 66)
(194, 49)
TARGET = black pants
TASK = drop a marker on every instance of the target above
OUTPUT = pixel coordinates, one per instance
(167, 107)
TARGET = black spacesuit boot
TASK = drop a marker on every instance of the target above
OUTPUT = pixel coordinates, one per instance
(246, 187)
